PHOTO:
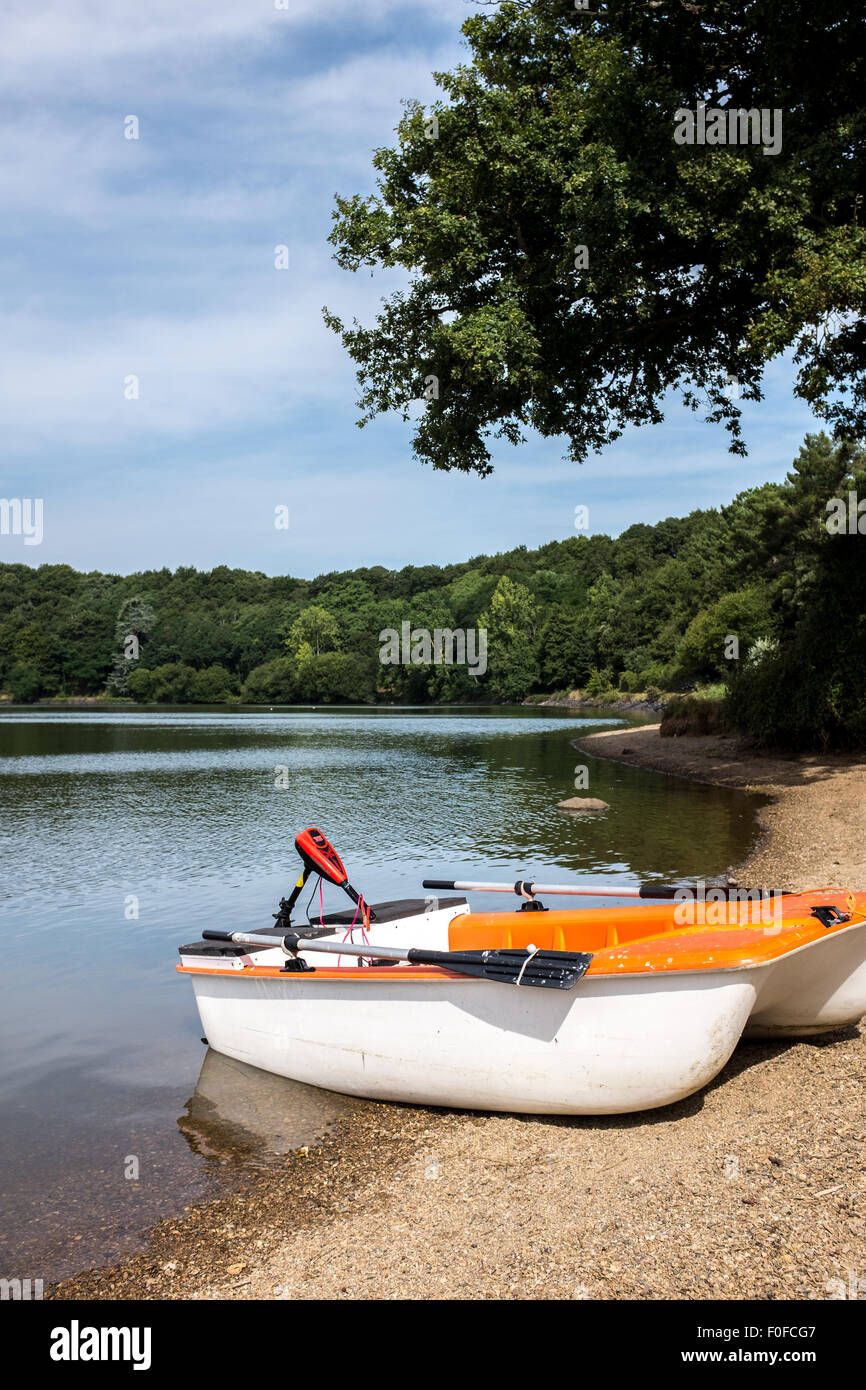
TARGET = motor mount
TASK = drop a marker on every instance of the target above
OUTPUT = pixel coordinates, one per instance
(319, 857)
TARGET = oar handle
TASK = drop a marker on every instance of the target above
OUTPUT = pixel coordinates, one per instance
(292, 943)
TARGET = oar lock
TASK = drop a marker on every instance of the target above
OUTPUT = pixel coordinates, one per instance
(296, 941)
(295, 964)
(525, 889)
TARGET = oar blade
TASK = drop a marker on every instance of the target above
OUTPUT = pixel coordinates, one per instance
(539, 969)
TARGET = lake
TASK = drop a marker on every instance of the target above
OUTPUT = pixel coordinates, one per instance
(112, 1112)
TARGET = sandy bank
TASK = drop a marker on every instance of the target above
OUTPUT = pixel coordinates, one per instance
(815, 828)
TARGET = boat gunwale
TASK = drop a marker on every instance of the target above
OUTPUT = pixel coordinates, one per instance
(438, 974)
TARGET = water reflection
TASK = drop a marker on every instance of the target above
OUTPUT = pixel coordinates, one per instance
(240, 1114)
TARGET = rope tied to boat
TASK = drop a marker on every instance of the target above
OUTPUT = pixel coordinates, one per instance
(361, 907)
(530, 952)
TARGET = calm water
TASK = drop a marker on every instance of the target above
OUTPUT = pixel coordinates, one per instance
(101, 1054)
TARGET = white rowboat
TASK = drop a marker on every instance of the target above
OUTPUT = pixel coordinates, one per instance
(652, 1018)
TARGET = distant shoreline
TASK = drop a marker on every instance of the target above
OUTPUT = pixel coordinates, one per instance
(106, 702)
(623, 706)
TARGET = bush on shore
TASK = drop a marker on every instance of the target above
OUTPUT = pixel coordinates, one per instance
(782, 697)
(693, 714)
(329, 678)
(175, 683)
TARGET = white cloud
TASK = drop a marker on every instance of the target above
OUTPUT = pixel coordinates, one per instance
(211, 372)
(69, 40)
(159, 259)
(252, 148)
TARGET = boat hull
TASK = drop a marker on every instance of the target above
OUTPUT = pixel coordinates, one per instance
(655, 1018)
(816, 990)
(614, 1046)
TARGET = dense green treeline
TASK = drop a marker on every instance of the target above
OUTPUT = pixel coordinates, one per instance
(656, 607)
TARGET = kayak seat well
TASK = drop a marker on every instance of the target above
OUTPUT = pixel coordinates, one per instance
(557, 930)
(516, 931)
(602, 928)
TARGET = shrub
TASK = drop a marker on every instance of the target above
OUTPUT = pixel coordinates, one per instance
(690, 714)
(172, 683)
(337, 678)
(212, 686)
(599, 682)
(657, 675)
(272, 683)
(24, 684)
(140, 685)
(797, 697)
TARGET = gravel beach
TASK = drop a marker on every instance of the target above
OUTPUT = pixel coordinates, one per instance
(755, 1188)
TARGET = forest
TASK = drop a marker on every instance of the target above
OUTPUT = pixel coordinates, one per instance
(764, 598)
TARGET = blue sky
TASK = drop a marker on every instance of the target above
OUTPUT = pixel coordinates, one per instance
(155, 258)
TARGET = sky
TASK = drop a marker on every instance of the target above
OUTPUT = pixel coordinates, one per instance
(153, 258)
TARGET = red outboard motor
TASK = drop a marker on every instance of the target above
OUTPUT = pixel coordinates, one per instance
(319, 857)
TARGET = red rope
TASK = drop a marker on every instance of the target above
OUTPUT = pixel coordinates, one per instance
(359, 907)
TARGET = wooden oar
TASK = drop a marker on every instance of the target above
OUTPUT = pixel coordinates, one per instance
(527, 889)
(540, 969)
